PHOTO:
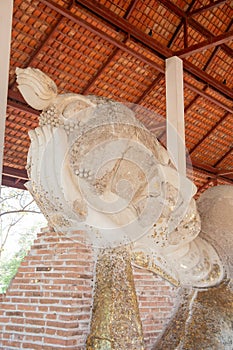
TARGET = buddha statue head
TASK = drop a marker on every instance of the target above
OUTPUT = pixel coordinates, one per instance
(93, 166)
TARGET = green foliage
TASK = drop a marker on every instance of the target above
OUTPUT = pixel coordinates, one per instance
(8, 269)
(19, 224)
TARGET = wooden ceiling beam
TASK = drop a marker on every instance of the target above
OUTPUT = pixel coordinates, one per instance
(207, 78)
(191, 103)
(16, 100)
(224, 172)
(15, 173)
(130, 9)
(145, 39)
(159, 77)
(173, 8)
(224, 156)
(206, 86)
(16, 96)
(38, 50)
(17, 104)
(209, 132)
(43, 43)
(227, 50)
(182, 22)
(22, 107)
(122, 24)
(208, 97)
(208, 7)
(209, 171)
(157, 80)
(205, 45)
(205, 32)
(47, 38)
(215, 51)
(208, 62)
(66, 13)
(11, 175)
(193, 23)
(150, 88)
(11, 182)
(89, 85)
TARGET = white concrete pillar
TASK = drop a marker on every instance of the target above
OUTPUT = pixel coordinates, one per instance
(175, 113)
(6, 10)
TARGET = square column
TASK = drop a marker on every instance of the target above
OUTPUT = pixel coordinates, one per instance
(175, 113)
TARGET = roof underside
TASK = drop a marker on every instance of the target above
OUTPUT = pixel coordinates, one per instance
(117, 49)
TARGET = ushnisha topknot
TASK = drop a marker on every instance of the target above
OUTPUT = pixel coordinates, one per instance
(36, 87)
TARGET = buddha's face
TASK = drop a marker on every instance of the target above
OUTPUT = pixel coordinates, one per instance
(112, 177)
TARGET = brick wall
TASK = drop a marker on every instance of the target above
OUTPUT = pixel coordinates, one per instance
(48, 304)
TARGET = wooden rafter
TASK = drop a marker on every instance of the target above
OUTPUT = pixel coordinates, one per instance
(208, 7)
(207, 44)
(209, 132)
(112, 55)
(209, 171)
(223, 157)
(208, 62)
(208, 97)
(130, 9)
(12, 182)
(21, 107)
(150, 88)
(191, 21)
(123, 25)
(43, 43)
(205, 32)
(178, 28)
(206, 185)
(89, 85)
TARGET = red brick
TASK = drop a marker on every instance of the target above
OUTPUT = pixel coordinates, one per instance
(26, 307)
(11, 343)
(34, 315)
(17, 320)
(34, 330)
(58, 341)
(34, 322)
(53, 307)
(9, 307)
(32, 346)
(14, 328)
